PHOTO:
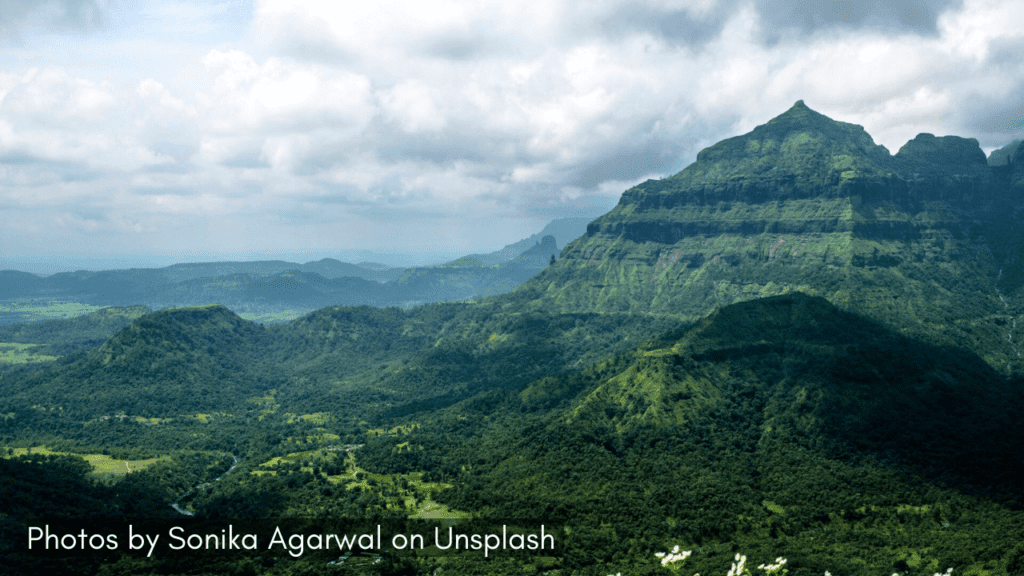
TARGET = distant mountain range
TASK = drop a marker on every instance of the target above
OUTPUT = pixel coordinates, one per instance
(266, 288)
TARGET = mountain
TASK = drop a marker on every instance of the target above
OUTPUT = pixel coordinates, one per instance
(807, 374)
(275, 290)
(167, 363)
(326, 267)
(143, 285)
(832, 381)
(469, 278)
(1004, 155)
(563, 230)
(928, 240)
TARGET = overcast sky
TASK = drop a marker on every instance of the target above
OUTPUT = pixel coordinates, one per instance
(155, 132)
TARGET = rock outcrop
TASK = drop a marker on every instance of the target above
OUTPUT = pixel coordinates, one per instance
(927, 240)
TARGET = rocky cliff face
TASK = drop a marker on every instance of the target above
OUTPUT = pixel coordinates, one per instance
(926, 240)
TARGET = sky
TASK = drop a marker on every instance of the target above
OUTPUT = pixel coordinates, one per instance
(144, 133)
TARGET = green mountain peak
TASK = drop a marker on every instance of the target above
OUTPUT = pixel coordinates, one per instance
(926, 240)
(798, 154)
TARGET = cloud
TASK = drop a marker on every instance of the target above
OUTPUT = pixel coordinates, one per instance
(53, 98)
(276, 113)
(441, 114)
(691, 24)
(66, 125)
(17, 16)
(895, 16)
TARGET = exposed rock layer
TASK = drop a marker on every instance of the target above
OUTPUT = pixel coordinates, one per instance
(927, 240)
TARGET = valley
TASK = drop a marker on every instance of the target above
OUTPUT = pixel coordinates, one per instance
(801, 347)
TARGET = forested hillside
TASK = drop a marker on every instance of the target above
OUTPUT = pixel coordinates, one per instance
(800, 347)
(927, 240)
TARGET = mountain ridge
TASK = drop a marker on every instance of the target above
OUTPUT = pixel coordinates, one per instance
(928, 240)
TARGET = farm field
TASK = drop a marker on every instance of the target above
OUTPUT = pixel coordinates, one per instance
(401, 490)
(32, 311)
(103, 466)
(18, 353)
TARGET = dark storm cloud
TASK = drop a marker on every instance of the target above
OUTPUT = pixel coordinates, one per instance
(807, 17)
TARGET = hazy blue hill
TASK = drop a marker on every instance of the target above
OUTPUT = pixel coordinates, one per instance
(117, 286)
(291, 289)
(539, 254)
(928, 241)
(1004, 155)
(13, 283)
(331, 268)
(271, 288)
(513, 273)
(470, 277)
(326, 267)
(191, 271)
(564, 230)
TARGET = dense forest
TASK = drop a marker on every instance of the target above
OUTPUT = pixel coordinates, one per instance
(797, 356)
(778, 427)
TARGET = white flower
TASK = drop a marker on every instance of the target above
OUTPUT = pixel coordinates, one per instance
(737, 566)
(773, 568)
(674, 556)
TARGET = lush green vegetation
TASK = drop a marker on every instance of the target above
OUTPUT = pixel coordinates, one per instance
(778, 427)
(18, 353)
(59, 337)
(790, 350)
